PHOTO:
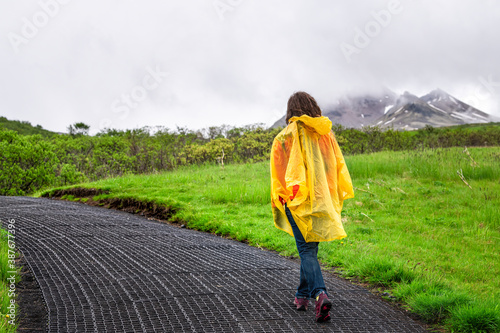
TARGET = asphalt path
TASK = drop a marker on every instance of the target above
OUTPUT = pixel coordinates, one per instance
(102, 270)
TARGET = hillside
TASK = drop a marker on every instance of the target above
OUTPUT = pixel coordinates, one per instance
(24, 127)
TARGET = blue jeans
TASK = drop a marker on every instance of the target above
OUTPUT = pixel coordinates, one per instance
(311, 278)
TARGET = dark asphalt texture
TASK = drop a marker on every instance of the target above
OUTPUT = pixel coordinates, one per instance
(102, 270)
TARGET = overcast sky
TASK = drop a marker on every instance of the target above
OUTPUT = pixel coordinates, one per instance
(198, 63)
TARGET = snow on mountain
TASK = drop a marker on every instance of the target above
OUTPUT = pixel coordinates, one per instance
(356, 110)
(436, 109)
(405, 112)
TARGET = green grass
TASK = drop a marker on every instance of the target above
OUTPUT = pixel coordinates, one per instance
(414, 228)
(435, 306)
(478, 317)
(7, 294)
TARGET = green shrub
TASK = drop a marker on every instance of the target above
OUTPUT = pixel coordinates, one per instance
(30, 163)
(27, 163)
(70, 175)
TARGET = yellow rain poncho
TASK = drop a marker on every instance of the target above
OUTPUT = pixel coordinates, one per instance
(309, 174)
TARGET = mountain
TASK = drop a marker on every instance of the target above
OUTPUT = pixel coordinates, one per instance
(356, 110)
(359, 111)
(442, 101)
(407, 111)
(436, 109)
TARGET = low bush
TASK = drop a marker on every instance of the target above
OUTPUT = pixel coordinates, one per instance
(29, 163)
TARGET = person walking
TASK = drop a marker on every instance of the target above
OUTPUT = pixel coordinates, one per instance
(309, 182)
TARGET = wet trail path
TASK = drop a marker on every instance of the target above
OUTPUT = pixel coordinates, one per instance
(102, 270)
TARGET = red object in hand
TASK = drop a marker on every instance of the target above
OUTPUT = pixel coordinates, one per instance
(294, 190)
(294, 193)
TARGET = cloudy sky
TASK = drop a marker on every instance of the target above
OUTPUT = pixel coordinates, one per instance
(198, 63)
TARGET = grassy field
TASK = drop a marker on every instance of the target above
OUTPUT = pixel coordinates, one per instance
(414, 228)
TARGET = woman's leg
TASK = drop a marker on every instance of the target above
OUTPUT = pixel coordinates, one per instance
(311, 278)
(303, 288)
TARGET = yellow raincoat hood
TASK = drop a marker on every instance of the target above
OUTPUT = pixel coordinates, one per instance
(309, 174)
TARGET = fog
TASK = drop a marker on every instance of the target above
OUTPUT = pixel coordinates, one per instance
(127, 64)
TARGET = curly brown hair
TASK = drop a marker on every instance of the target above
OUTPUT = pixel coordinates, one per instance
(301, 103)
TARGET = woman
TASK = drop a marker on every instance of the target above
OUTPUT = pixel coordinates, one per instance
(309, 182)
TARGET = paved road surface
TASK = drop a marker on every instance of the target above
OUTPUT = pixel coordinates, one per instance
(107, 271)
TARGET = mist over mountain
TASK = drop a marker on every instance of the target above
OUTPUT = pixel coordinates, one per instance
(356, 110)
(405, 112)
